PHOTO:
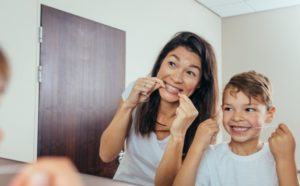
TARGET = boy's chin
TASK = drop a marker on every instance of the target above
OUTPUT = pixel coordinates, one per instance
(244, 139)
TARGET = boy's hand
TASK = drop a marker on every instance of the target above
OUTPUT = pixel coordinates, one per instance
(282, 144)
(186, 113)
(142, 89)
(206, 133)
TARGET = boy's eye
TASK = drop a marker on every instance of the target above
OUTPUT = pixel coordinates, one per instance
(250, 109)
(227, 109)
(172, 64)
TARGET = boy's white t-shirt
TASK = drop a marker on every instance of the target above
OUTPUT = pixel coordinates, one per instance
(142, 155)
(221, 167)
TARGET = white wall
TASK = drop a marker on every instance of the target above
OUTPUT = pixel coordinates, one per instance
(18, 37)
(268, 42)
(148, 25)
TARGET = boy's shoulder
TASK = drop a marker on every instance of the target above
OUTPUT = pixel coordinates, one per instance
(221, 150)
(217, 149)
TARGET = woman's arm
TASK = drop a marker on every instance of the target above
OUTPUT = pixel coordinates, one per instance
(172, 158)
(282, 145)
(113, 138)
(204, 136)
(170, 163)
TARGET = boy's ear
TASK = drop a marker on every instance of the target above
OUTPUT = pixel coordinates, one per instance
(270, 114)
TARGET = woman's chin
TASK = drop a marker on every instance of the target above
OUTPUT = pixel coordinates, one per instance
(169, 97)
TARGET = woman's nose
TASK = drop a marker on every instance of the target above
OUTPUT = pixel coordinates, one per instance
(177, 76)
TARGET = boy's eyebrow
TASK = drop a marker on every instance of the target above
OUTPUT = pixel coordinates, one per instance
(225, 104)
(252, 104)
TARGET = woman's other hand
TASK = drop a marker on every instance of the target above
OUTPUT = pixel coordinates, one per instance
(185, 115)
(142, 89)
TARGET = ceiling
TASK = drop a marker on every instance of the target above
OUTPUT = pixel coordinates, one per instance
(227, 8)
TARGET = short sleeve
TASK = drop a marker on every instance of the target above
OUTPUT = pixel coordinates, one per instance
(203, 173)
(127, 90)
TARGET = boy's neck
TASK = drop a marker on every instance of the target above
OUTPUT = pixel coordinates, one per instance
(245, 148)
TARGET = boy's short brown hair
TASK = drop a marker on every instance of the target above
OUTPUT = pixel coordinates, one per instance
(252, 84)
(4, 67)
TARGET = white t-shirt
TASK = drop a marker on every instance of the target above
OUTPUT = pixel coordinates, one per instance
(221, 167)
(142, 155)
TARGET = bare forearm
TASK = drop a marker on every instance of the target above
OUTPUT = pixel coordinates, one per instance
(113, 138)
(188, 171)
(170, 163)
(287, 173)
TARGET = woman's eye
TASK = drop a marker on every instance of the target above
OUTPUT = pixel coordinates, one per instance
(191, 73)
(172, 64)
(250, 109)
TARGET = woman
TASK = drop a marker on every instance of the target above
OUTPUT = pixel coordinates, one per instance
(159, 115)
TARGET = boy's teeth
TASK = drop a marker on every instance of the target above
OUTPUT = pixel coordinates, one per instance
(240, 129)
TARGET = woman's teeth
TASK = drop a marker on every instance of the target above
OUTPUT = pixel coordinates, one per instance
(172, 90)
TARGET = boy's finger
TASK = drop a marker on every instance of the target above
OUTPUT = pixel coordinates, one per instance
(213, 139)
(279, 131)
(284, 128)
(218, 116)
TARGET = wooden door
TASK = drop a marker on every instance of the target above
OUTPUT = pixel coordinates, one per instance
(83, 75)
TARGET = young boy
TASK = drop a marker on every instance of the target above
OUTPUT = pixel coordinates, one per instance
(245, 160)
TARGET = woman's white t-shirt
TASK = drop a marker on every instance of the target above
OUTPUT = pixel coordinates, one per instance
(142, 155)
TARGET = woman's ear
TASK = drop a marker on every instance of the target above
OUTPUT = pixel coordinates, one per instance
(270, 114)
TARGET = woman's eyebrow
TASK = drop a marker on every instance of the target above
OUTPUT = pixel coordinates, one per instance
(196, 66)
(173, 55)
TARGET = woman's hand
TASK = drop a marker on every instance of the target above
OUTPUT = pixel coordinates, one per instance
(48, 172)
(185, 115)
(142, 89)
(282, 144)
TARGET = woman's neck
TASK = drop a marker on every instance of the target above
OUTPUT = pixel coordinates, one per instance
(166, 112)
(245, 148)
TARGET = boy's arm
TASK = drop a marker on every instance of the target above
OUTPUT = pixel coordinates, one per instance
(204, 135)
(282, 145)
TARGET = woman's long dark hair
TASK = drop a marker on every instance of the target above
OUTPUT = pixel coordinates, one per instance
(205, 96)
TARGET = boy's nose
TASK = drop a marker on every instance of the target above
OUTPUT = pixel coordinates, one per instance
(237, 117)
